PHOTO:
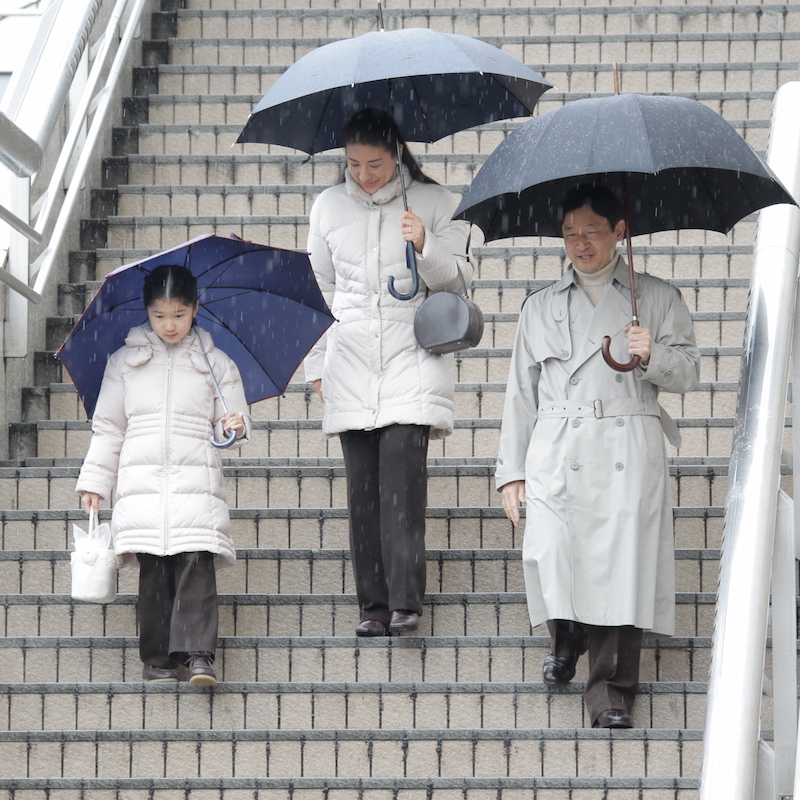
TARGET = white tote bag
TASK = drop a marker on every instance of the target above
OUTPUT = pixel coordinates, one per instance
(94, 565)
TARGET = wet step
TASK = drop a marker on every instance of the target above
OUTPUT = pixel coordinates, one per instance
(306, 571)
(696, 528)
(137, 713)
(444, 614)
(319, 483)
(344, 23)
(261, 659)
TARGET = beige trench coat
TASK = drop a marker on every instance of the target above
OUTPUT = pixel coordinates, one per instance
(589, 442)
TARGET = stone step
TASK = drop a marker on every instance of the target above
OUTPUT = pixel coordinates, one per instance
(291, 231)
(320, 483)
(259, 752)
(537, 50)
(405, 659)
(470, 5)
(444, 614)
(696, 528)
(344, 23)
(366, 788)
(683, 77)
(471, 438)
(305, 571)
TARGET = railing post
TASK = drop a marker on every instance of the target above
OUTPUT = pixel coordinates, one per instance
(731, 738)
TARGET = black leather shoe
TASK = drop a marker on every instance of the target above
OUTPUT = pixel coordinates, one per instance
(613, 718)
(403, 621)
(371, 627)
(557, 670)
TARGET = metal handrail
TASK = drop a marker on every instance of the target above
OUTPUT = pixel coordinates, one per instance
(731, 743)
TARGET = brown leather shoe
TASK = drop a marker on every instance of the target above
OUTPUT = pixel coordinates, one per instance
(201, 673)
(613, 718)
(153, 674)
(403, 621)
(371, 627)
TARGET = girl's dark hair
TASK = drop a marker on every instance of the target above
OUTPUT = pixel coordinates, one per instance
(601, 200)
(170, 282)
(378, 129)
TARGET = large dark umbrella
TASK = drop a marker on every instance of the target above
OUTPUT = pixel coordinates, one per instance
(675, 163)
(433, 84)
(261, 305)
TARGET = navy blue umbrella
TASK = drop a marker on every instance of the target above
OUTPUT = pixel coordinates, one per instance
(261, 305)
(433, 84)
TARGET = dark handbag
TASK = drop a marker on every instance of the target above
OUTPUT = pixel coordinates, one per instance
(447, 321)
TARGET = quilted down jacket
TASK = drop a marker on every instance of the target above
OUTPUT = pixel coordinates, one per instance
(373, 371)
(150, 436)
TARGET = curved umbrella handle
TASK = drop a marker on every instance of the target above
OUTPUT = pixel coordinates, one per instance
(232, 437)
(609, 359)
(411, 263)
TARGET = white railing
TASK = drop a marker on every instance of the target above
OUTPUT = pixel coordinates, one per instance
(760, 530)
(51, 118)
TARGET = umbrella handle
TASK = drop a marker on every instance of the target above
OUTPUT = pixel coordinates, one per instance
(609, 359)
(411, 263)
(232, 437)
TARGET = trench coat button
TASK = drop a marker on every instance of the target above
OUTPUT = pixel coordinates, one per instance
(573, 380)
(618, 378)
(574, 465)
(620, 422)
(576, 423)
(564, 353)
(619, 466)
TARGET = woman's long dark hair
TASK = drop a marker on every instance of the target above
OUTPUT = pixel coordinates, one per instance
(378, 129)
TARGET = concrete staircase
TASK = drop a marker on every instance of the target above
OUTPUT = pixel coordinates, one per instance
(304, 709)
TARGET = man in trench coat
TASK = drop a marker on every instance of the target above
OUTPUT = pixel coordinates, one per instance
(583, 446)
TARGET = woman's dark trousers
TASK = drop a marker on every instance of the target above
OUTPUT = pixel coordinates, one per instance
(387, 496)
(177, 609)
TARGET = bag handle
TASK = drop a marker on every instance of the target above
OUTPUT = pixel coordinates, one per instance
(92, 521)
(460, 273)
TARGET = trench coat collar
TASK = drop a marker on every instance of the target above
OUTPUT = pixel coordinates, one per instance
(611, 314)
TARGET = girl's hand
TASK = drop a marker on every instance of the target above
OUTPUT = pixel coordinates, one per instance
(233, 422)
(317, 387)
(90, 502)
(413, 229)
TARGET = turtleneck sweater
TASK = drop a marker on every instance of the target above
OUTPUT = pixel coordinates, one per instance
(595, 284)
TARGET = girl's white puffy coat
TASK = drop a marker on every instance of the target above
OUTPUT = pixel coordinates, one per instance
(373, 371)
(150, 435)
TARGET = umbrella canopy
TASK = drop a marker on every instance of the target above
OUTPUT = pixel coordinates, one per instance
(261, 305)
(684, 166)
(433, 84)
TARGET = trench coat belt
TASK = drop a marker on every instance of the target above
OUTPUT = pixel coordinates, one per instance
(615, 407)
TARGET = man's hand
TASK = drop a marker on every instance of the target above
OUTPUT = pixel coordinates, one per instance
(639, 342)
(513, 497)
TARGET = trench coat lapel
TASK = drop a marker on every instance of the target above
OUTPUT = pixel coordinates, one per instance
(611, 315)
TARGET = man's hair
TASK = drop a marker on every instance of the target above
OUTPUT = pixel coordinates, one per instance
(170, 282)
(601, 200)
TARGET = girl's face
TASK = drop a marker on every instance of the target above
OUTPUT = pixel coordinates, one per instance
(171, 319)
(372, 167)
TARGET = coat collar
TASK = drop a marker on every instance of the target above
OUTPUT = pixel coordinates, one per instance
(384, 195)
(143, 342)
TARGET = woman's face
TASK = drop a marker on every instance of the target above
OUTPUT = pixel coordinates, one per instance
(371, 167)
(171, 319)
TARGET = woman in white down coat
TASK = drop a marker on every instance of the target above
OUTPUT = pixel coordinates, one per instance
(150, 436)
(383, 394)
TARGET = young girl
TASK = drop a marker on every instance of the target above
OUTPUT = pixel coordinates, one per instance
(150, 435)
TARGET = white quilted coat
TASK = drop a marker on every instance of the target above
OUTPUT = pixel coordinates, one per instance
(373, 371)
(156, 410)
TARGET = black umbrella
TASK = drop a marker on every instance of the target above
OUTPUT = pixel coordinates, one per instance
(675, 163)
(433, 84)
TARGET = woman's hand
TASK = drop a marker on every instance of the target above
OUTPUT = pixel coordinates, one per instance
(639, 342)
(90, 502)
(317, 387)
(413, 229)
(233, 421)
(513, 497)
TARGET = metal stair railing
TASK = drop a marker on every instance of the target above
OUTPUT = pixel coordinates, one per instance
(761, 522)
(51, 119)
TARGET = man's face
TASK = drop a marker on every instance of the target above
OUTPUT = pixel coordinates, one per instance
(589, 239)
